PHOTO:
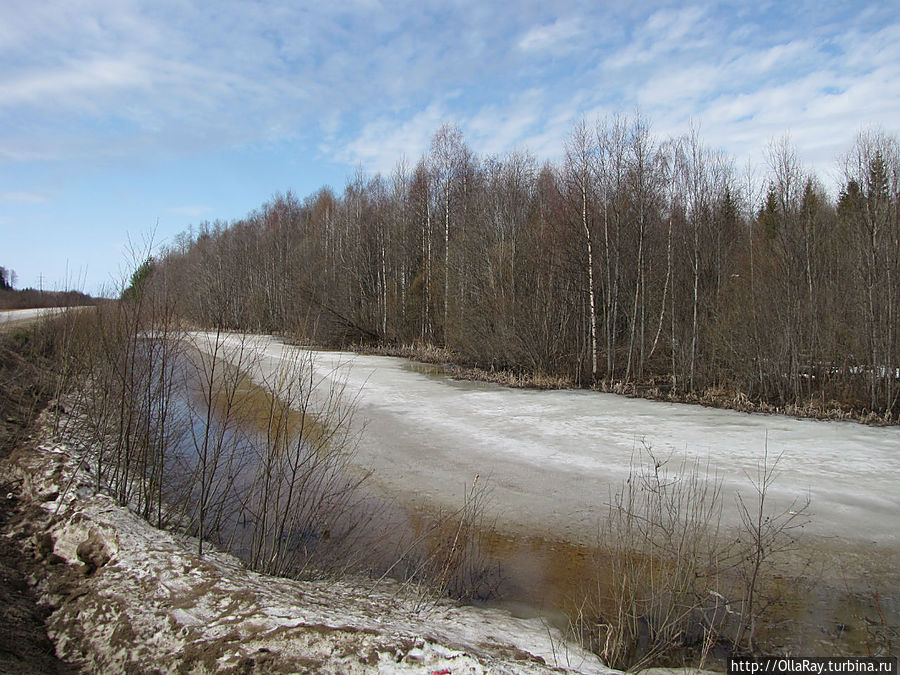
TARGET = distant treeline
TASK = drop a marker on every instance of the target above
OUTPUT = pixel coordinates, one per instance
(30, 298)
(635, 262)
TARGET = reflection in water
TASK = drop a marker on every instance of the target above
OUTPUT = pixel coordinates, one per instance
(266, 476)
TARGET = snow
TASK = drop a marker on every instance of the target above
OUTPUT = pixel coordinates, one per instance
(553, 457)
(127, 597)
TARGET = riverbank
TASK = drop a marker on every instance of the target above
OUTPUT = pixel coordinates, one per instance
(444, 429)
(87, 586)
(124, 596)
(448, 363)
(24, 390)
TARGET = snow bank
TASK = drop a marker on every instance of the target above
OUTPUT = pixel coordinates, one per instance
(130, 598)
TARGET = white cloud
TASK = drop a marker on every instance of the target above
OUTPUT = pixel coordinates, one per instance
(80, 79)
(672, 26)
(373, 81)
(531, 121)
(381, 143)
(865, 50)
(664, 33)
(162, 74)
(496, 129)
(670, 87)
(25, 197)
(554, 37)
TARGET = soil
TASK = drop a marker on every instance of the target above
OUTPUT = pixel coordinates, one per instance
(24, 645)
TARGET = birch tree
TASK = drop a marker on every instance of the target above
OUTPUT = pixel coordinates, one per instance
(449, 158)
(579, 172)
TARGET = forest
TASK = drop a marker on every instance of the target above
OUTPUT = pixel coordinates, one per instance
(635, 264)
(29, 298)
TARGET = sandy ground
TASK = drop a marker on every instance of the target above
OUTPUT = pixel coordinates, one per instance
(553, 458)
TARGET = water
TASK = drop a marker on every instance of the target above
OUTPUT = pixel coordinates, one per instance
(553, 461)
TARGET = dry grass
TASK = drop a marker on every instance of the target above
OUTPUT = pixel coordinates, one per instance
(669, 582)
(453, 365)
(446, 555)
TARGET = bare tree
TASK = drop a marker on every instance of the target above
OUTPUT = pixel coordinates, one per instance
(579, 174)
(870, 204)
(449, 159)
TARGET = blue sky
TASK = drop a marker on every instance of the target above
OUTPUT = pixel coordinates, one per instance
(120, 117)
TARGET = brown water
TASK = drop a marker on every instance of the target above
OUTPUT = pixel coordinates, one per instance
(820, 599)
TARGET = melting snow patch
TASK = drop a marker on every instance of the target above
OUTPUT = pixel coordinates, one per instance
(131, 598)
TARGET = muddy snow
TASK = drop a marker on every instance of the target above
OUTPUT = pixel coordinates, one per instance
(127, 597)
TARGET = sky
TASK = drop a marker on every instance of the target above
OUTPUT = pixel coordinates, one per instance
(127, 121)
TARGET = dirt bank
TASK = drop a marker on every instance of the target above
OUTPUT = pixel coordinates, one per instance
(24, 645)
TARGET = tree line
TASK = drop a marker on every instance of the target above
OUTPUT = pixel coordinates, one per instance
(635, 264)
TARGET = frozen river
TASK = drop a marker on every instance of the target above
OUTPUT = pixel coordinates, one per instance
(552, 458)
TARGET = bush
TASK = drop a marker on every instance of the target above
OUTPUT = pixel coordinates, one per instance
(669, 579)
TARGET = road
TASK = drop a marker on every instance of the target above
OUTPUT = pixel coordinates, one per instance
(19, 317)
